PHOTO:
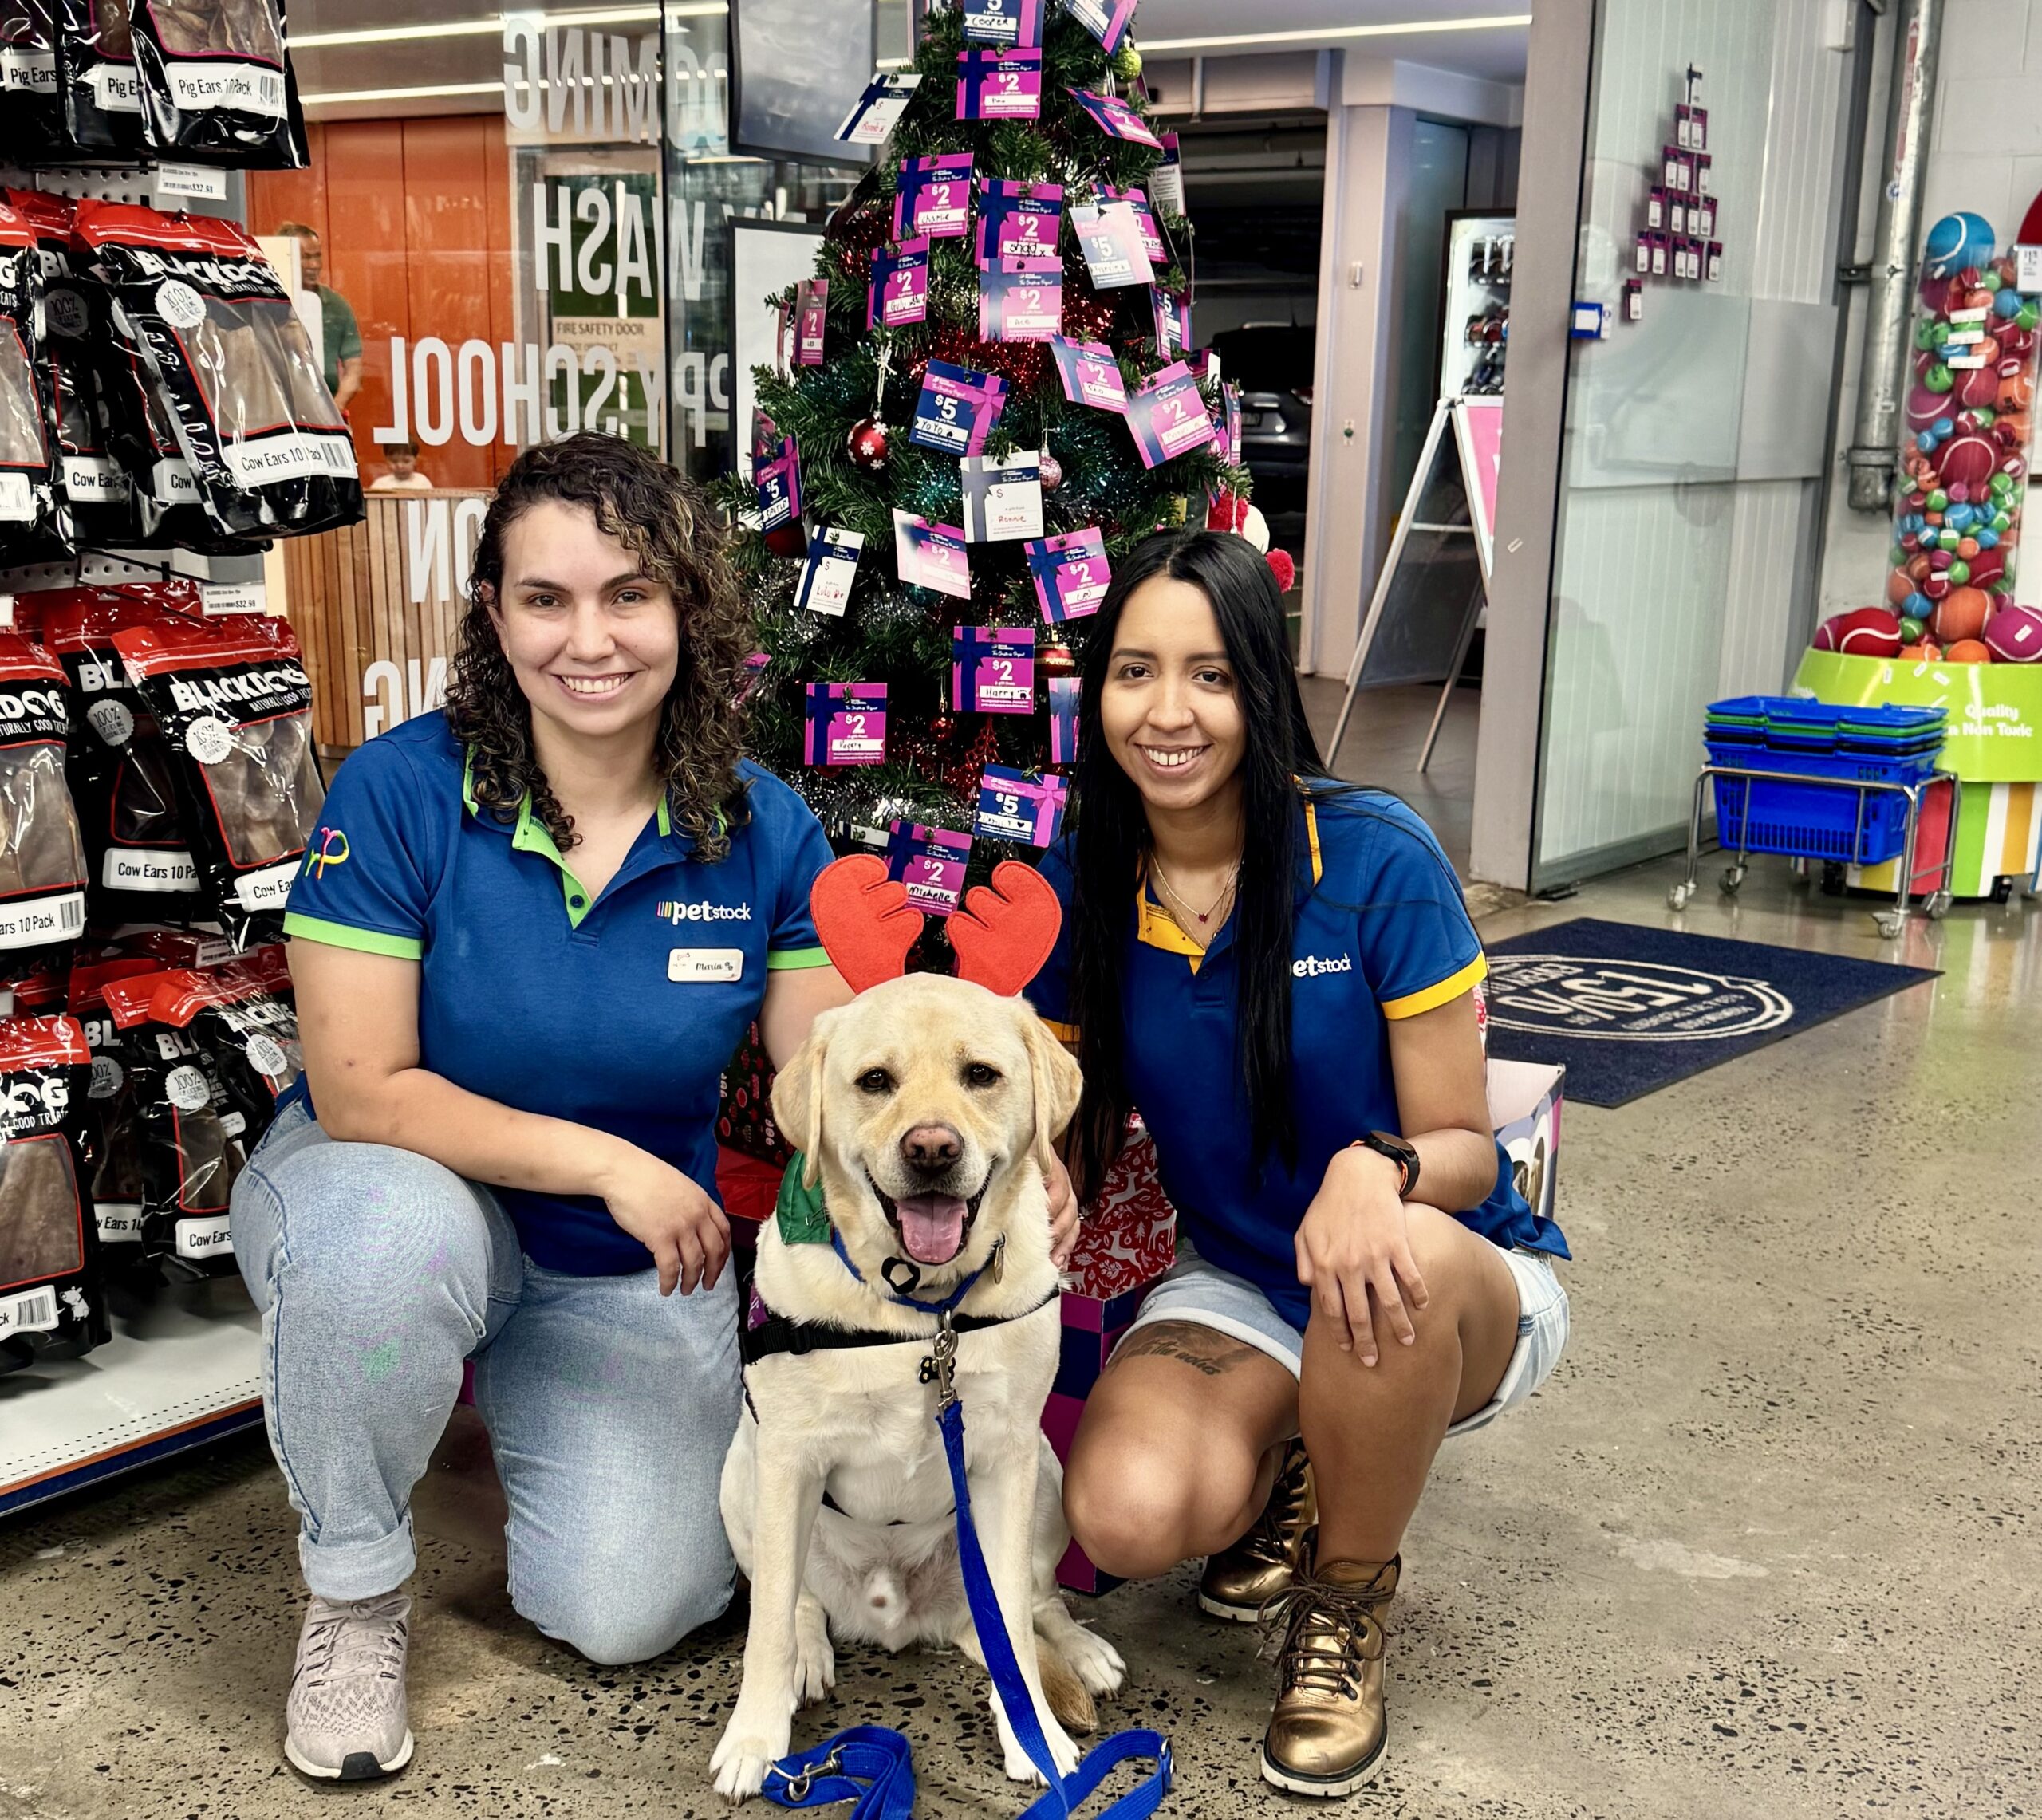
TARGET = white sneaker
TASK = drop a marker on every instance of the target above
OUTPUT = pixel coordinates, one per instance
(346, 1718)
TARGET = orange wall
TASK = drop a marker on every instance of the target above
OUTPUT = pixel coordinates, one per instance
(415, 218)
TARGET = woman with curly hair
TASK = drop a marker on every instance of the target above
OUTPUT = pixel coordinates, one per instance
(529, 934)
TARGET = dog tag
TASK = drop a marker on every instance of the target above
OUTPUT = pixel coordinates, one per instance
(711, 966)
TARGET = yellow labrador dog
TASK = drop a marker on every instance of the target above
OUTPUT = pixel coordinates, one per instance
(926, 1108)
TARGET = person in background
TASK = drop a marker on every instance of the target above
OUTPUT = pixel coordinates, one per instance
(404, 476)
(328, 316)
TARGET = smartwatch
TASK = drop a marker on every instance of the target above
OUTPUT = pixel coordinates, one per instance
(1401, 1152)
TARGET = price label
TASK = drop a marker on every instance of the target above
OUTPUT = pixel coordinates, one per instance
(223, 597)
(204, 183)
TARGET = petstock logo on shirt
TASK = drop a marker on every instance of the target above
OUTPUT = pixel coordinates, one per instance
(703, 912)
(330, 849)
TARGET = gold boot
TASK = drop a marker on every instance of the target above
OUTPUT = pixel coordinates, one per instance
(1239, 1580)
(1329, 1731)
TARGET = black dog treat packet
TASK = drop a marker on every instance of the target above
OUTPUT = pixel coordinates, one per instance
(95, 72)
(110, 1129)
(234, 705)
(93, 489)
(246, 1019)
(31, 527)
(205, 314)
(42, 860)
(51, 1299)
(140, 863)
(216, 84)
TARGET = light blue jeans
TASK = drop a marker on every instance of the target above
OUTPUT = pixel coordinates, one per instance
(610, 1407)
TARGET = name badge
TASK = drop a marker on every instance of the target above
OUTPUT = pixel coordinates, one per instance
(705, 966)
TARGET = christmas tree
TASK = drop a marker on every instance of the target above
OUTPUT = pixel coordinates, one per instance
(923, 398)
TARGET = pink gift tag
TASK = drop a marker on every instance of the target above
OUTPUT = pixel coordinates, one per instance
(846, 723)
(1089, 373)
(933, 198)
(931, 556)
(992, 669)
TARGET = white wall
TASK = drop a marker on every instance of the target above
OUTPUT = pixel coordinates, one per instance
(1986, 156)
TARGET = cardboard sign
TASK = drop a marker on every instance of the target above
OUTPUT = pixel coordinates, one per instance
(899, 291)
(1167, 417)
(811, 310)
(878, 110)
(1173, 317)
(999, 85)
(1064, 692)
(846, 724)
(1106, 20)
(831, 568)
(1114, 117)
(1020, 805)
(1089, 373)
(1017, 25)
(957, 409)
(992, 669)
(778, 485)
(932, 199)
(1145, 220)
(1019, 221)
(1002, 497)
(931, 556)
(1166, 181)
(1110, 239)
(1020, 300)
(1070, 574)
(931, 862)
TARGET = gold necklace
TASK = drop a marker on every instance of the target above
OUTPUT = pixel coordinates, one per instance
(1182, 903)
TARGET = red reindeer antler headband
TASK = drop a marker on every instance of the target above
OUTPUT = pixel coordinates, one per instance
(1002, 934)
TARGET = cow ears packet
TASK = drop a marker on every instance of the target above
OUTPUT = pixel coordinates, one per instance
(210, 321)
(198, 1114)
(42, 860)
(234, 706)
(111, 1135)
(30, 523)
(52, 1302)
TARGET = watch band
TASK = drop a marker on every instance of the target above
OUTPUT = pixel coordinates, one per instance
(1400, 1151)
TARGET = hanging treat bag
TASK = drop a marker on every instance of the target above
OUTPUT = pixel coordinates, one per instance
(234, 706)
(91, 487)
(109, 1130)
(215, 84)
(31, 525)
(140, 868)
(246, 1020)
(190, 1144)
(96, 75)
(31, 115)
(52, 1303)
(194, 299)
(42, 861)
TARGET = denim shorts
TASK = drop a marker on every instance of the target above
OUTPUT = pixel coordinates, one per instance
(1207, 1296)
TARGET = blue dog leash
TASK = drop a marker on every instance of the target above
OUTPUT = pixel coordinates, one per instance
(872, 1765)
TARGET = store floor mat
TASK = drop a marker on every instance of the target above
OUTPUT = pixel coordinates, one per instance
(1630, 1010)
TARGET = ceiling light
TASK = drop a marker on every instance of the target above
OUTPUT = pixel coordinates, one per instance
(490, 24)
(433, 92)
(1238, 40)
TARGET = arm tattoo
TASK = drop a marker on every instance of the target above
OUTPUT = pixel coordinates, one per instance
(1204, 1349)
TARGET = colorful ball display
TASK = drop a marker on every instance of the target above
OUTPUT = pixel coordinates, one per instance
(1966, 651)
(1957, 241)
(2014, 634)
(1967, 462)
(1960, 614)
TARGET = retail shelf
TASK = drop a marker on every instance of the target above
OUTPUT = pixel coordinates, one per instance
(183, 1367)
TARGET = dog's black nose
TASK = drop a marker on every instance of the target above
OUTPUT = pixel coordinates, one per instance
(932, 1148)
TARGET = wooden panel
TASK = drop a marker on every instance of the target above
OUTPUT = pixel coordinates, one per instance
(351, 603)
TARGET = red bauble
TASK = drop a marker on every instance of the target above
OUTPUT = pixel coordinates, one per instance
(1051, 470)
(870, 445)
(789, 539)
(943, 726)
(1056, 660)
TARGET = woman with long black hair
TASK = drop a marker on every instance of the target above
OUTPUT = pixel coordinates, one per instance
(1278, 970)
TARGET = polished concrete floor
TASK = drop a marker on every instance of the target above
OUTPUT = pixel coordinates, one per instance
(1766, 1546)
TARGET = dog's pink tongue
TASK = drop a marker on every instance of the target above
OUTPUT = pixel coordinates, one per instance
(932, 1227)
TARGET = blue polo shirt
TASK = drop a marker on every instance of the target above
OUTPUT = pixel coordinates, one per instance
(618, 1012)
(1382, 933)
